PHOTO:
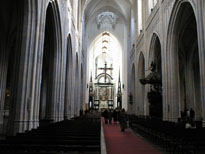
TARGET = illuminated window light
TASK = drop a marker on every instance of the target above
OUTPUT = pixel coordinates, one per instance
(105, 33)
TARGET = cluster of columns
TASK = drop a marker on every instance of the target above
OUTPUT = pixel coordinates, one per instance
(42, 79)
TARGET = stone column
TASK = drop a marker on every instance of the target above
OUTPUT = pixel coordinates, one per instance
(72, 91)
(171, 89)
(21, 113)
(69, 94)
(200, 17)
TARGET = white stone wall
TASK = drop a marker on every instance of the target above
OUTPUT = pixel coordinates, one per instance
(158, 22)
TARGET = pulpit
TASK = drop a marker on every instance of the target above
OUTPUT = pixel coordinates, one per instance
(155, 94)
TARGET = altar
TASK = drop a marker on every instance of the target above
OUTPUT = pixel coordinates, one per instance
(104, 95)
(103, 104)
(104, 90)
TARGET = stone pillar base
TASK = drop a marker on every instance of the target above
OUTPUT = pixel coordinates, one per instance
(15, 127)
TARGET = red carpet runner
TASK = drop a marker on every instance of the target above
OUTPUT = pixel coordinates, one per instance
(118, 142)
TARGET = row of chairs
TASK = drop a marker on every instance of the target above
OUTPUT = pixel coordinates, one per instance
(75, 136)
(173, 137)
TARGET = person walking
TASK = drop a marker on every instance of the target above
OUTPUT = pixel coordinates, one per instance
(105, 114)
(123, 120)
(110, 116)
(192, 114)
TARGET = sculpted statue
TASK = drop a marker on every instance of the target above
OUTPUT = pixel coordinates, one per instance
(153, 78)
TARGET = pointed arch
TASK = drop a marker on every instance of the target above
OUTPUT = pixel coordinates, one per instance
(132, 95)
(50, 108)
(54, 7)
(183, 58)
(155, 52)
(155, 94)
(141, 104)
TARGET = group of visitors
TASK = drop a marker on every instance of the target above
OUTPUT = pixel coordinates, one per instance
(115, 116)
(111, 115)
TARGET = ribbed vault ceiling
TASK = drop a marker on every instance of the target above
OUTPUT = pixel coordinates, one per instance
(93, 7)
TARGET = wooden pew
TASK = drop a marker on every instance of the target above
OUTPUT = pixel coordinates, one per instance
(79, 135)
(169, 135)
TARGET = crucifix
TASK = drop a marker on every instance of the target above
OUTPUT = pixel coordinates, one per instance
(105, 69)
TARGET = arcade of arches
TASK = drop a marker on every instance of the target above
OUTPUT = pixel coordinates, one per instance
(58, 57)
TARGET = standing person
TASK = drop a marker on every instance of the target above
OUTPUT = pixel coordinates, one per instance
(123, 120)
(81, 112)
(188, 115)
(110, 116)
(192, 114)
(114, 116)
(105, 114)
(118, 114)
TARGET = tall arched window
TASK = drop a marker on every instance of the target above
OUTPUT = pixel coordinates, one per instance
(152, 4)
(139, 10)
(132, 27)
(155, 2)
